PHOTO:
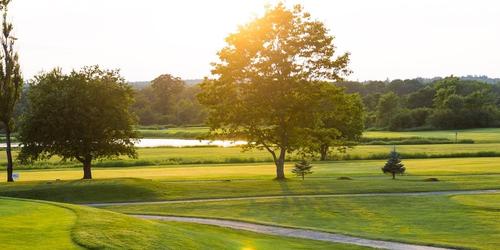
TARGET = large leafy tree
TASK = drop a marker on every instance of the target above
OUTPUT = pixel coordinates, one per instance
(342, 122)
(83, 115)
(268, 81)
(10, 82)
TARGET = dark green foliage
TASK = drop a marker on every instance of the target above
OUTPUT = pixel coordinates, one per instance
(409, 118)
(84, 115)
(168, 100)
(421, 99)
(11, 82)
(302, 168)
(393, 165)
(432, 179)
(387, 108)
(342, 122)
(344, 178)
(442, 103)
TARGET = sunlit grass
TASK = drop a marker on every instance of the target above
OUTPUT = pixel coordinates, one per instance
(213, 155)
(34, 225)
(442, 220)
(235, 180)
(177, 133)
(443, 166)
(478, 135)
(27, 225)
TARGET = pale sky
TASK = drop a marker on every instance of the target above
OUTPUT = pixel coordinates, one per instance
(146, 38)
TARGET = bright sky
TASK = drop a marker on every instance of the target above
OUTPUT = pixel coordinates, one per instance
(387, 38)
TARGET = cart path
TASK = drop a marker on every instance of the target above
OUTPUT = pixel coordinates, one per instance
(293, 232)
(452, 192)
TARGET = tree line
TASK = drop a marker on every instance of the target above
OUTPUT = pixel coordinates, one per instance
(448, 103)
(412, 104)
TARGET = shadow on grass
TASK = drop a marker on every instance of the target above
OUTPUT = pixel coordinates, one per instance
(83, 191)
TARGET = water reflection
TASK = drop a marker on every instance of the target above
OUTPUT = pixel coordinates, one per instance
(174, 143)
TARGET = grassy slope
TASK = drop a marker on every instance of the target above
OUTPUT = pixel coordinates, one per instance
(25, 225)
(254, 180)
(60, 226)
(427, 219)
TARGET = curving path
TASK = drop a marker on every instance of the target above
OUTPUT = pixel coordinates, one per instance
(453, 192)
(293, 232)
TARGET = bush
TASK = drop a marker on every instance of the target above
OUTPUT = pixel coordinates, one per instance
(344, 178)
(432, 179)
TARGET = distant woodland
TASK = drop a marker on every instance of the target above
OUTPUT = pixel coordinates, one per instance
(414, 104)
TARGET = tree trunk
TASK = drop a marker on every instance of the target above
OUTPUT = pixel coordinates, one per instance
(302, 176)
(323, 150)
(280, 165)
(87, 170)
(393, 176)
(8, 149)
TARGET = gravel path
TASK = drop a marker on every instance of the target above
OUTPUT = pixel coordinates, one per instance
(291, 232)
(455, 192)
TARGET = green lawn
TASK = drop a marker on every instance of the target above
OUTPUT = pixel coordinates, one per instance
(465, 221)
(423, 167)
(173, 183)
(479, 135)
(177, 133)
(28, 225)
(457, 221)
(212, 155)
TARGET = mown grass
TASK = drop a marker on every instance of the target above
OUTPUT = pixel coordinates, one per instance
(366, 168)
(483, 201)
(435, 220)
(64, 226)
(213, 155)
(177, 183)
(480, 135)
(29, 225)
(174, 133)
(410, 141)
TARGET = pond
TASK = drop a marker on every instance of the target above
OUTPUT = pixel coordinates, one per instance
(186, 143)
(143, 143)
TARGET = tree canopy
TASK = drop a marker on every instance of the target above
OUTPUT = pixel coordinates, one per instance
(83, 115)
(268, 81)
(342, 122)
(168, 100)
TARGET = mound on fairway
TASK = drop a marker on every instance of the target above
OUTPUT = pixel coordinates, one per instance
(42, 225)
